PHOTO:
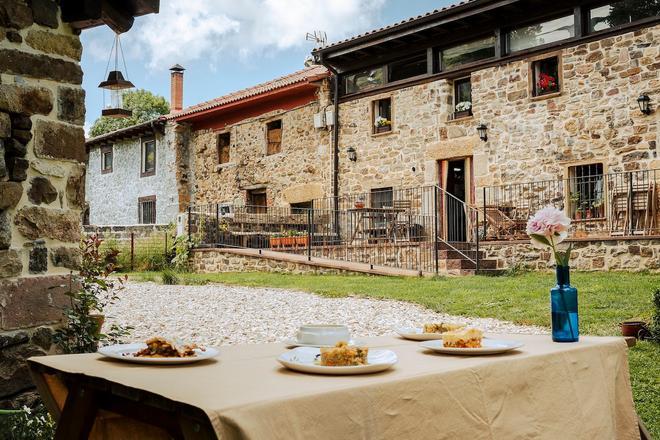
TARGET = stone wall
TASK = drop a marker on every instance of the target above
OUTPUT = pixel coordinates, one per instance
(299, 173)
(218, 261)
(41, 182)
(595, 119)
(113, 197)
(606, 255)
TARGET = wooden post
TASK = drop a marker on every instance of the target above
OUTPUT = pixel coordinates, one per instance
(132, 251)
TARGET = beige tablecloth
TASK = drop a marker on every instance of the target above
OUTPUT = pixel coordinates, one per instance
(544, 391)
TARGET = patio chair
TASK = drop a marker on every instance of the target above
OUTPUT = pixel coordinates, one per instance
(402, 223)
(501, 225)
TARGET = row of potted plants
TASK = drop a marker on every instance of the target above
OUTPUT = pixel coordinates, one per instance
(290, 238)
(586, 210)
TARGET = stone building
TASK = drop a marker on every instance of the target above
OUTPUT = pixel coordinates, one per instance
(42, 154)
(546, 109)
(259, 146)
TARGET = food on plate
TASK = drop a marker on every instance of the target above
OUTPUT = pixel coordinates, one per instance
(344, 355)
(158, 347)
(463, 338)
(442, 327)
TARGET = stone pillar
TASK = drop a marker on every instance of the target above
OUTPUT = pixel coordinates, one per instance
(41, 182)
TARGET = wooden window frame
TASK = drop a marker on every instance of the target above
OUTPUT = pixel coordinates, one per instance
(268, 129)
(571, 211)
(105, 150)
(531, 80)
(454, 93)
(228, 146)
(372, 115)
(143, 171)
(142, 200)
(254, 208)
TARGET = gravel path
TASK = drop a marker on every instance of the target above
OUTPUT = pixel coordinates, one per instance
(219, 314)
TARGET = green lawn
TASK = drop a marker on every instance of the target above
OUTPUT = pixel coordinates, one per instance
(605, 300)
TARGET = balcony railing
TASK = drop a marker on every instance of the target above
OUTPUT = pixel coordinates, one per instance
(604, 205)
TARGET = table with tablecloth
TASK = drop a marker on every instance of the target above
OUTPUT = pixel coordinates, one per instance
(545, 390)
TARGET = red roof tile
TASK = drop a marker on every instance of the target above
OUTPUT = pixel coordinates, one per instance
(308, 74)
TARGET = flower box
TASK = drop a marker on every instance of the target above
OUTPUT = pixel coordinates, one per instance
(289, 242)
(462, 114)
(383, 129)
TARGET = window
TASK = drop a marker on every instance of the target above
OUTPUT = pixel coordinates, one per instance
(407, 68)
(106, 160)
(301, 207)
(586, 191)
(545, 76)
(456, 56)
(364, 80)
(274, 137)
(541, 33)
(147, 210)
(382, 197)
(462, 98)
(382, 115)
(148, 158)
(224, 140)
(621, 13)
(256, 200)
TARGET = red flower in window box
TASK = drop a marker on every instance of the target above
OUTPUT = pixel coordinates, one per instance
(546, 83)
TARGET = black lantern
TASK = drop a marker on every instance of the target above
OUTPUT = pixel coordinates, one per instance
(352, 154)
(482, 129)
(644, 103)
(116, 85)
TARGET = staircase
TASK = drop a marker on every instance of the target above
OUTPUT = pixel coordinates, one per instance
(459, 258)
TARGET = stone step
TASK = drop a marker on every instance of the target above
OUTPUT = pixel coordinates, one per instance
(451, 254)
(467, 264)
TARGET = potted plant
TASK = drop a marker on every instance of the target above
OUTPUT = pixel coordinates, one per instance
(546, 84)
(382, 124)
(463, 109)
(597, 207)
(575, 200)
(359, 203)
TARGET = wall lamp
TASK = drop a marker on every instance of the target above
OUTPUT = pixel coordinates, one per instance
(644, 103)
(352, 154)
(482, 129)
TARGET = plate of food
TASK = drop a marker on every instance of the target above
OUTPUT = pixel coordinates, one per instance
(341, 359)
(158, 351)
(428, 332)
(470, 342)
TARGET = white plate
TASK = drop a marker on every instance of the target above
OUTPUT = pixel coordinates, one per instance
(488, 346)
(125, 353)
(294, 343)
(417, 334)
(303, 359)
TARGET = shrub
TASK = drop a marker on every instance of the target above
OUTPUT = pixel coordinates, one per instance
(27, 424)
(169, 277)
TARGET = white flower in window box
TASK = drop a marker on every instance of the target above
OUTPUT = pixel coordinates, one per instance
(463, 109)
(382, 124)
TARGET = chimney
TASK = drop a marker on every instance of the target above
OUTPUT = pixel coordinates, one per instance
(176, 88)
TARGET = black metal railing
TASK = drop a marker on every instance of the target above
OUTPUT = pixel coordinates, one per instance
(404, 229)
(615, 204)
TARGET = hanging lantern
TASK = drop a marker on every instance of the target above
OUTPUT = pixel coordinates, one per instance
(116, 85)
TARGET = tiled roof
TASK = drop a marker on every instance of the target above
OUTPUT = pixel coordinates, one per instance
(394, 25)
(308, 74)
(125, 132)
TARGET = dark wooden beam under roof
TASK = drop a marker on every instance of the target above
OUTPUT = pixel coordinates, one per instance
(119, 15)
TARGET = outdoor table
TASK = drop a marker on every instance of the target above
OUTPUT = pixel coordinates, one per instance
(545, 390)
(365, 218)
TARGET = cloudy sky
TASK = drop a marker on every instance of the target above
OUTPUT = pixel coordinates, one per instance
(227, 45)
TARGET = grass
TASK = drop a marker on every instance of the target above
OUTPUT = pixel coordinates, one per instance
(605, 300)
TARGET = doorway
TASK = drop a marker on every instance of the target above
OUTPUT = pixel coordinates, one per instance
(455, 200)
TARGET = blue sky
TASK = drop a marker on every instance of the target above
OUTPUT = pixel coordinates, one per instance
(227, 45)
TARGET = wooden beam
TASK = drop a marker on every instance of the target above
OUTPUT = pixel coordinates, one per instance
(119, 15)
(118, 19)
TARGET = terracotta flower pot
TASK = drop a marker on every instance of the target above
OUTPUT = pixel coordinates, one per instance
(632, 328)
(98, 320)
(359, 205)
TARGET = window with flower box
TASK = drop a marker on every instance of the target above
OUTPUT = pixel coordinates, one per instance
(545, 76)
(462, 98)
(382, 115)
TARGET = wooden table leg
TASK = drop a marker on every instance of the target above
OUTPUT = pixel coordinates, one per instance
(78, 414)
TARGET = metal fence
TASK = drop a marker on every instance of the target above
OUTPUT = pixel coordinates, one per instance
(387, 227)
(140, 252)
(616, 204)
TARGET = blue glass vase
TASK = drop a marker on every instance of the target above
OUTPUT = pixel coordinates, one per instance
(563, 298)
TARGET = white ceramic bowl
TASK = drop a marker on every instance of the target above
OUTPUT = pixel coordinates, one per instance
(322, 334)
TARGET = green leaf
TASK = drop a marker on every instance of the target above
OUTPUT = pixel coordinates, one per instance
(540, 238)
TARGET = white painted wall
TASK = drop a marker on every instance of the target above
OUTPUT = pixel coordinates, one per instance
(113, 197)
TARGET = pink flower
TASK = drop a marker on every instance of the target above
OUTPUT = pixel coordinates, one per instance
(549, 225)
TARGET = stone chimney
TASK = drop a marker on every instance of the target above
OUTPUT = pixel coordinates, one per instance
(176, 88)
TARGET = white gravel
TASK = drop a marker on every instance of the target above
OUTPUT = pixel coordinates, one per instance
(219, 314)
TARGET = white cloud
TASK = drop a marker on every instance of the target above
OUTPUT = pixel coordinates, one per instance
(215, 30)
